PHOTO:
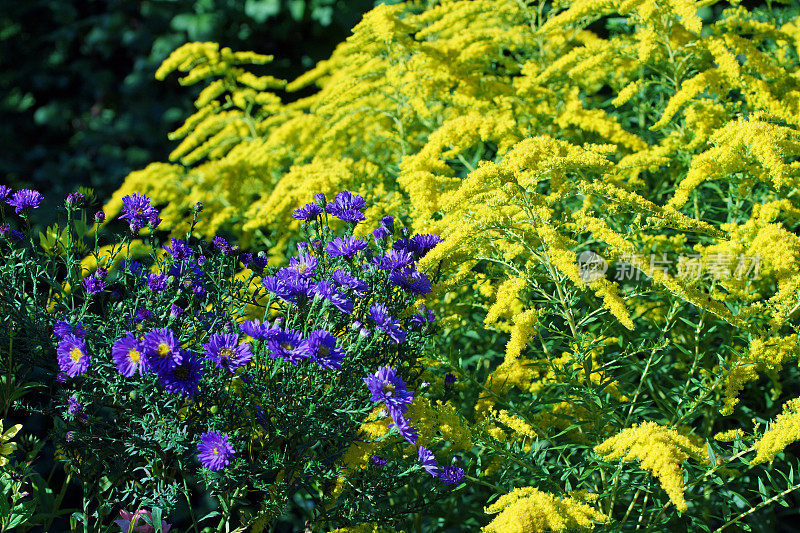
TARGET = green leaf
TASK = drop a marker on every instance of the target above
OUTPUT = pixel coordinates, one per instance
(261, 10)
(711, 455)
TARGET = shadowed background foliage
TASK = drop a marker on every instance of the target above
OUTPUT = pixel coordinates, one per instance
(78, 102)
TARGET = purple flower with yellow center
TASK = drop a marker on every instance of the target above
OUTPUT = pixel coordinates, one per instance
(222, 245)
(136, 209)
(404, 428)
(260, 331)
(157, 282)
(307, 212)
(322, 349)
(25, 199)
(345, 246)
(215, 450)
(128, 355)
(4, 192)
(304, 265)
(422, 244)
(359, 286)
(451, 475)
(288, 345)
(394, 259)
(224, 350)
(94, 284)
(386, 323)
(179, 250)
(73, 359)
(347, 206)
(411, 280)
(326, 291)
(73, 407)
(185, 377)
(428, 461)
(62, 328)
(161, 350)
(386, 386)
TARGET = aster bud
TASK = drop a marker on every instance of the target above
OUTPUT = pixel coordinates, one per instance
(100, 216)
(198, 207)
(320, 199)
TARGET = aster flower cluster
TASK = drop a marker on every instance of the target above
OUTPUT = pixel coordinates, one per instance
(172, 351)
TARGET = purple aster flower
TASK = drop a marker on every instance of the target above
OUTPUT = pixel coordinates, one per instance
(394, 260)
(422, 244)
(25, 199)
(185, 377)
(345, 246)
(61, 378)
(359, 286)
(385, 385)
(347, 206)
(161, 350)
(326, 291)
(73, 359)
(260, 262)
(451, 475)
(69, 436)
(142, 315)
(134, 267)
(136, 209)
(62, 328)
(379, 461)
(404, 428)
(198, 290)
(428, 461)
(449, 380)
(180, 250)
(386, 323)
(215, 450)
(260, 331)
(100, 216)
(286, 284)
(288, 345)
(75, 199)
(4, 192)
(322, 349)
(73, 407)
(5, 228)
(101, 272)
(17, 235)
(93, 284)
(423, 317)
(222, 245)
(404, 243)
(320, 198)
(175, 311)
(411, 280)
(157, 282)
(225, 351)
(307, 212)
(384, 230)
(245, 259)
(127, 354)
(304, 265)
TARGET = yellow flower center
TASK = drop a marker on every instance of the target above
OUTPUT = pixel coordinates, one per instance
(134, 355)
(182, 373)
(324, 350)
(388, 389)
(226, 353)
(215, 450)
(286, 346)
(302, 267)
(75, 354)
(163, 349)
